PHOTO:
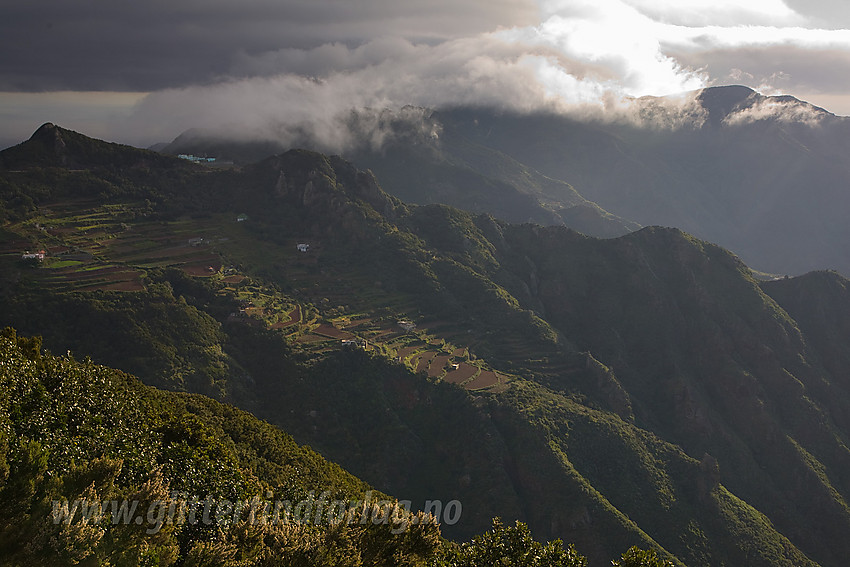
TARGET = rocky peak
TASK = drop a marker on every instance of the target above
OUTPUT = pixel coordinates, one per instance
(720, 102)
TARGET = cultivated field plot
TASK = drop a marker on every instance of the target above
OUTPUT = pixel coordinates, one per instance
(332, 332)
(403, 353)
(464, 372)
(487, 379)
(311, 339)
(424, 360)
(87, 276)
(438, 365)
(294, 319)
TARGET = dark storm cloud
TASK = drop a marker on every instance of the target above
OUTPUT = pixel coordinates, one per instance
(140, 46)
(261, 69)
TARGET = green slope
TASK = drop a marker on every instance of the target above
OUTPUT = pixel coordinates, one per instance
(74, 430)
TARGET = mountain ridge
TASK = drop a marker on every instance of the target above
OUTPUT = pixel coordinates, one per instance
(416, 165)
(761, 175)
(648, 389)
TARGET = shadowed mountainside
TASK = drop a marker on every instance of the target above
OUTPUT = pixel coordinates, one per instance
(763, 176)
(654, 392)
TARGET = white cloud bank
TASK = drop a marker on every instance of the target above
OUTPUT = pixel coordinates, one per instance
(588, 58)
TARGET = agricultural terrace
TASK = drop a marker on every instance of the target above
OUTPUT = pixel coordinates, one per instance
(319, 305)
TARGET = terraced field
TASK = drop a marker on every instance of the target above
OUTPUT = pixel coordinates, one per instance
(85, 276)
(110, 247)
(487, 379)
(332, 332)
(462, 373)
(294, 319)
(438, 365)
(423, 360)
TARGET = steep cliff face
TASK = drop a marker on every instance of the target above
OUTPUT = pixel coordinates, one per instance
(712, 363)
(327, 190)
(819, 302)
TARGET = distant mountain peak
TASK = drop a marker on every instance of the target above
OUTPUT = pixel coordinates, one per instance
(740, 91)
(736, 104)
(720, 102)
(47, 127)
(54, 146)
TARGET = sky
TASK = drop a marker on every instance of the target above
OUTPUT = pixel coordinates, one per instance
(143, 72)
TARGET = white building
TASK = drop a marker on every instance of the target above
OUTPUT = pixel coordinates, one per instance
(33, 255)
